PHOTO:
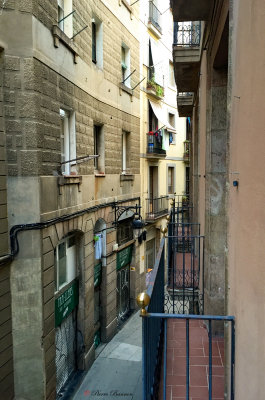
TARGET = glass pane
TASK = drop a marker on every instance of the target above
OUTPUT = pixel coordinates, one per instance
(62, 264)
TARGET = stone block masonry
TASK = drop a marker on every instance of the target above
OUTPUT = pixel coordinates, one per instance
(32, 121)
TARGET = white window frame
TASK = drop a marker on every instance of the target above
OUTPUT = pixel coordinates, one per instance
(68, 141)
(150, 253)
(174, 179)
(99, 147)
(126, 64)
(125, 152)
(65, 7)
(173, 125)
(99, 41)
(70, 256)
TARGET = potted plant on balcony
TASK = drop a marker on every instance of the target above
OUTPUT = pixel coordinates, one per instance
(185, 201)
(155, 87)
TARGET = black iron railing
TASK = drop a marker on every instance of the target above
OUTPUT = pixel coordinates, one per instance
(159, 339)
(154, 143)
(156, 207)
(153, 329)
(185, 278)
(154, 16)
(187, 34)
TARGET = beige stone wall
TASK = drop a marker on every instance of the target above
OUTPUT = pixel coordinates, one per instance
(6, 345)
(34, 95)
(3, 171)
(84, 227)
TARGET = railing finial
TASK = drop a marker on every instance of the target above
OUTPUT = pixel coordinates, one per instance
(164, 230)
(143, 299)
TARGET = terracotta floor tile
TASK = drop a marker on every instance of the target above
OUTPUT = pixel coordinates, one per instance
(199, 391)
(218, 386)
(198, 376)
(216, 370)
(178, 391)
(179, 366)
(205, 361)
(181, 351)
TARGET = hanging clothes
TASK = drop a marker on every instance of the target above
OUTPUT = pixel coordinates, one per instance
(165, 140)
(98, 246)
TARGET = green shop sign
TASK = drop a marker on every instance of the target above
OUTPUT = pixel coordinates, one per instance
(124, 257)
(97, 274)
(65, 303)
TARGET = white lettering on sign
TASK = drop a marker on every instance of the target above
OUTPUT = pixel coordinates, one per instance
(64, 297)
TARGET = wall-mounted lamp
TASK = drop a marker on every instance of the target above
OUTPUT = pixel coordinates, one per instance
(138, 225)
(235, 183)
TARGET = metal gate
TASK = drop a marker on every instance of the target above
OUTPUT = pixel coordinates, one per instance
(65, 342)
(123, 292)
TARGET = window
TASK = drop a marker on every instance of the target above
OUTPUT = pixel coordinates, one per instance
(65, 16)
(65, 262)
(171, 75)
(125, 152)
(94, 43)
(125, 65)
(172, 136)
(170, 180)
(187, 183)
(97, 41)
(151, 69)
(68, 145)
(124, 231)
(150, 253)
(99, 162)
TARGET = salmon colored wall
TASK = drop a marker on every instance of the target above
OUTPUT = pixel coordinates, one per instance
(246, 211)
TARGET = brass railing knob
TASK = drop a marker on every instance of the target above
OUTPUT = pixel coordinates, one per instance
(143, 299)
(164, 231)
(168, 218)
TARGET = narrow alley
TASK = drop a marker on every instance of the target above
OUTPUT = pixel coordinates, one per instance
(117, 371)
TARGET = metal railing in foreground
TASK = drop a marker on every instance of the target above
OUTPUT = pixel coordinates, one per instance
(153, 329)
(155, 341)
(188, 318)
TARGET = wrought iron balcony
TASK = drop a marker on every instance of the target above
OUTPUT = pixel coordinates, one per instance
(156, 207)
(154, 145)
(154, 16)
(187, 34)
(170, 324)
(187, 55)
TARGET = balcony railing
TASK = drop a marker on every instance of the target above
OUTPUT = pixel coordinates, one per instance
(154, 88)
(198, 351)
(154, 143)
(187, 34)
(154, 16)
(156, 207)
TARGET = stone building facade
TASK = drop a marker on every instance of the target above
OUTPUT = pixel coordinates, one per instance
(68, 81)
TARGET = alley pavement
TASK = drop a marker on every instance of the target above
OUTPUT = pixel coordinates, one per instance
(117, 371)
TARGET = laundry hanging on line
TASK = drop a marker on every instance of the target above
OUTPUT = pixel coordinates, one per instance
(98, 245)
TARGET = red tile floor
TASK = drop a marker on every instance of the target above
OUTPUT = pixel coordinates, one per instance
(199, 363)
